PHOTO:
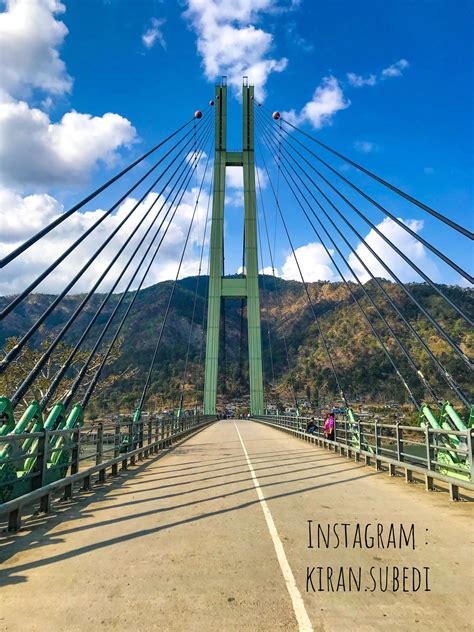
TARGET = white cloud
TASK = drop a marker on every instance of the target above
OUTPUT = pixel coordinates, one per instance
(154, 34)
(35, 151)
(404, 242)
(296, 39)
(230, 44)
(314, 262)
(29, 38)
(328, 98)
(235, 177)
(357, 81)
(365, 146)
(396, 69)
(234, 199)
(267, 270)
(235, 185)
(38, 152)
(35, 211)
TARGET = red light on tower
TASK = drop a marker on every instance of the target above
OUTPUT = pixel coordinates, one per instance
(276, 116)
(211, 102)
(198, 114)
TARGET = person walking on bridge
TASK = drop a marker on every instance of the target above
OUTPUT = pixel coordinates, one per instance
(329, 427)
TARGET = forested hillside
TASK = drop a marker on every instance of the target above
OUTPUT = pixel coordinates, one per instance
(364, 370)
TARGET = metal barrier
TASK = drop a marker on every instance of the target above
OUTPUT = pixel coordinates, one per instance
(438, 454)
(36, 464)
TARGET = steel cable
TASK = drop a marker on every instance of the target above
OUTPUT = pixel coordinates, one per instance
(381, 208)
(443, 372)
(13, 353)
(427, 314)
(374, 331)
(275, 288)
(395, 219)
(29, 242)
(31, 377)
(165, 318)
(66, 365)
(310, 302)
(196, 289)
(406, 196)
(95, 379)
(418, 372)
(20, 297)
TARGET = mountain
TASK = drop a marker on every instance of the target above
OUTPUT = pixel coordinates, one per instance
(362, 366)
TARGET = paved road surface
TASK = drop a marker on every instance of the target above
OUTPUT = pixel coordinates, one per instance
(214, 536)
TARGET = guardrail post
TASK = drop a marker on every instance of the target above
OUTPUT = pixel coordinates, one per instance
(124, 465)
(399, 438)
(378, 465)
(100, 451)
(86, 482)
(453, 491)
(157, 433)
(359, 437)
(41, 461)
(99, 443)
(75, 453)
(161, 431)
(116, 447)
(14, 521)
(139, 438)
(42, 469)
(429, 482)
(470, 452)
(68, 490)
(131, 441)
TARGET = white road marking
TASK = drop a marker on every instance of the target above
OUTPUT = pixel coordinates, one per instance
(304, 623)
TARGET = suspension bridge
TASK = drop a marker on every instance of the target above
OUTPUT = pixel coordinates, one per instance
(182, 520)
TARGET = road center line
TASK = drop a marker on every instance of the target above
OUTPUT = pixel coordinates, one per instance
(304, 623)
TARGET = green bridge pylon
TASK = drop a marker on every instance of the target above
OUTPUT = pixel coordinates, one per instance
(220, 287)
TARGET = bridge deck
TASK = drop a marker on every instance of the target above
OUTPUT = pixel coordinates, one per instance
(185, 544)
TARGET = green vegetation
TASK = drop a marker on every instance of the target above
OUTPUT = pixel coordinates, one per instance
(364, 370)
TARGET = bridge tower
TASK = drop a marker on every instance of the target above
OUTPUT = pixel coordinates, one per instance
(247, 287)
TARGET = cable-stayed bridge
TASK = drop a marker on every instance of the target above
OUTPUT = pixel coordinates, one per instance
(192, 485)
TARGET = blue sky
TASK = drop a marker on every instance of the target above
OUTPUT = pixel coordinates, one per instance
(410, 121)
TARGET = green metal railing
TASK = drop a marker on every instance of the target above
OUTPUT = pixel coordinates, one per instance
(35, 464)
(438, 453)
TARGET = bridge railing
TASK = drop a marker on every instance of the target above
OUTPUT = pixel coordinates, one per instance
(437, 454)
(36, 465)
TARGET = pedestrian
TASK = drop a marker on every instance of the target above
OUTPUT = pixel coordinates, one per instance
(329, 427)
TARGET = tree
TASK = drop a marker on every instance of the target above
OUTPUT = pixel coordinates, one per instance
(21, 367)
